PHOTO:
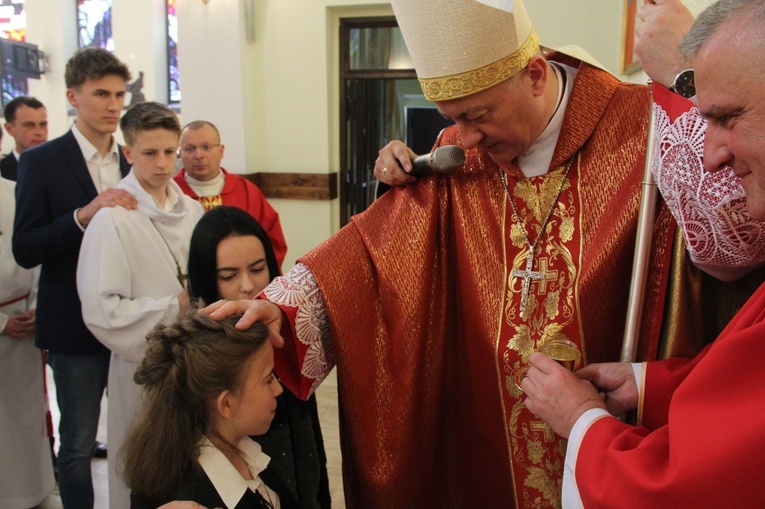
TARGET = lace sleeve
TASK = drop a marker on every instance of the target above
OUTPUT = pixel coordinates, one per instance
(299, 295)
(710, 208)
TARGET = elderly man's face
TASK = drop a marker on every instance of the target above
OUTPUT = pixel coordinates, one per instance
(505, 120)
(731, 92)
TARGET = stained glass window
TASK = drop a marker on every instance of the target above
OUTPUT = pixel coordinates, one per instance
(13, 25)
(173, 76)
(94, 24)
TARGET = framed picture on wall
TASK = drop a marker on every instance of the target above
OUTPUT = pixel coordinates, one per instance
(630, 23)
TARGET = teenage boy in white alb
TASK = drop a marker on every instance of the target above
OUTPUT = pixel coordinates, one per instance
(131, 271)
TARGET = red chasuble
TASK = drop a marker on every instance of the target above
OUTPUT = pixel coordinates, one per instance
(702, 443)
(423, 310)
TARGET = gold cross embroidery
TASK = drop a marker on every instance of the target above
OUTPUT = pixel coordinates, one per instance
(541, 426)
(547, 275)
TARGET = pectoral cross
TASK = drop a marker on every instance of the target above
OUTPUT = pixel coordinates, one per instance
(527, 276)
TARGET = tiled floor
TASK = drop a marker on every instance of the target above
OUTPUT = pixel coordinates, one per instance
(326, 397)
(327, 400)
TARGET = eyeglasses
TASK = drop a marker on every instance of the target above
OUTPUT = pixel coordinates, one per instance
(189, 150)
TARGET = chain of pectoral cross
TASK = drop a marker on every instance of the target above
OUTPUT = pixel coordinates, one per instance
(179, 273)
(528, 274)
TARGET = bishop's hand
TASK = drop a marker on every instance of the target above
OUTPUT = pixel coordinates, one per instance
(255, 310)
(393, 164)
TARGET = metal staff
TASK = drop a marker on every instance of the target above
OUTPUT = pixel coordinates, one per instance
(642, 255)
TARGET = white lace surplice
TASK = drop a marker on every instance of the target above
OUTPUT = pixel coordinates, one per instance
(710, 208)
(298, 289)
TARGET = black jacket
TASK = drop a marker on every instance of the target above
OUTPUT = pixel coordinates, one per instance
(53, 181)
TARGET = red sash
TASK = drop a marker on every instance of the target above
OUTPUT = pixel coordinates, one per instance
(14, 301)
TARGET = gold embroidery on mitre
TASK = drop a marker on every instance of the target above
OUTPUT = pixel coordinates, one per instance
(470, 82)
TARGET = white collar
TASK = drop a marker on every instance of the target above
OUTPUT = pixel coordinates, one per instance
(89, 151)
(226, 480)
(171, 201)
(536, 161)
(213, 182)
(174, 210)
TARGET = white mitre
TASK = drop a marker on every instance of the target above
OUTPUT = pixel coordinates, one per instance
(461, 47)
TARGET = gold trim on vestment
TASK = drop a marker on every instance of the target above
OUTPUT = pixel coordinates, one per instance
(537, 455)
(580, 263)
(466, 83)
(499, 368)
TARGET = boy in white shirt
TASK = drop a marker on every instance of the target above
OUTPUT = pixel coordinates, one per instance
(130, 270)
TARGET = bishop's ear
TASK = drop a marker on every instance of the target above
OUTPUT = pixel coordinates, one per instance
(537, 69)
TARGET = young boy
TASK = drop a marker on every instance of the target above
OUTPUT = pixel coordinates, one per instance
(130, 274)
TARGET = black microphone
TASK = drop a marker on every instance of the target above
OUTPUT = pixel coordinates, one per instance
(443, 159)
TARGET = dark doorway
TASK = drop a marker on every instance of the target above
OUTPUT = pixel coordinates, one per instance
(422, 127)
(377, 85)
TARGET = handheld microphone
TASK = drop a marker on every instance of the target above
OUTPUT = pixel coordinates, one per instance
(443, 159)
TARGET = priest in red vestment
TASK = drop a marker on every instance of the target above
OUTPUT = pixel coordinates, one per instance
(699, 440)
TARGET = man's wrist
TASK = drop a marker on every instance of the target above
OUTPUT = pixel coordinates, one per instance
(80, 224)
(684, 84)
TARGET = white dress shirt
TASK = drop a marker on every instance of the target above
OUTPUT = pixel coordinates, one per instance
(228, 482)
(104, 170)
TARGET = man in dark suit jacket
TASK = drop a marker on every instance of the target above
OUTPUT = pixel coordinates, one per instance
(61, 185)
(26, 120)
